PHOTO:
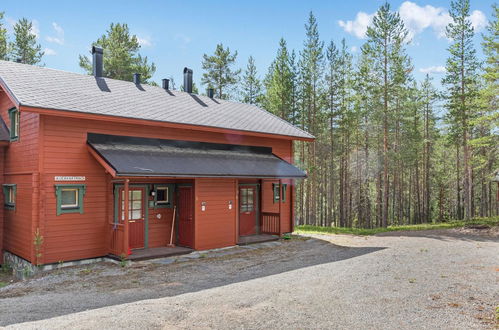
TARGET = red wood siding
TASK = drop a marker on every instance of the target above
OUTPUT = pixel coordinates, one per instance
(1, 204)
(18, 236)
(160, 229)
(51, 146)
(216, 226)
(20, 166)
(65, 153)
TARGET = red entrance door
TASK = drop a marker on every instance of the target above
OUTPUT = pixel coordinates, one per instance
(247, 210)
(185, 216)
(136, 215)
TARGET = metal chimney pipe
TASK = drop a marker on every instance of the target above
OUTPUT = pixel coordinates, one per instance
(98, 55)
(136, 78)
(188, 80)
(211, 92)
(166, 84)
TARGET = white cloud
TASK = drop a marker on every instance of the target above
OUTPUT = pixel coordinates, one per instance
(357, 27)
(354, 49)
(49, 52)
(433, 69)
(416, 18)
(144, 42)
(478, 20)
(58, 29)
(35, 28)
(59, 38)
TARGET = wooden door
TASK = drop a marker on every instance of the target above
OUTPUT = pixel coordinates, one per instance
(136, 215)
(248, 210)
(185, 216)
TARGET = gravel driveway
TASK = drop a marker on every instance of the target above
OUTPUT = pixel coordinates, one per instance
(445, 279)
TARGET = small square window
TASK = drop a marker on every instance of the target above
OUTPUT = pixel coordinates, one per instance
(69, 198)
(9, 192)
(14, 124)
(162, 195)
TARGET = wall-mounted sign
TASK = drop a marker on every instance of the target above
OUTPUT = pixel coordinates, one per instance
(69, 178)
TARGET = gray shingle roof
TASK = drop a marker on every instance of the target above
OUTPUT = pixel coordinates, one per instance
(133, 156)
(53, 89)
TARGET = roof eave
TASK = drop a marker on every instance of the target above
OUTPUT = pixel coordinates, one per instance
(83, 115)
(9, 93)
(167, 175)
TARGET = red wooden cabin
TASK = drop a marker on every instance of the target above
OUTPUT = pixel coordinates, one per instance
(98, 166)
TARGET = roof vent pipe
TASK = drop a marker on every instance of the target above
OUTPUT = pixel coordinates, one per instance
(211, 92)
(97, 54)
(166, 84)
(188, 80)
(136, 78)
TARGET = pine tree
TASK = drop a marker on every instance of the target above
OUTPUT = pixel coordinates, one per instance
(491, 69)
(311, 68)
(251, 86)
(279, 84)
(429, 96)
(486, 123)
(332, 100)
(386, 39)
(3, 39)
(24, 47)
(121, 55)
(219, 73)
(461, 81)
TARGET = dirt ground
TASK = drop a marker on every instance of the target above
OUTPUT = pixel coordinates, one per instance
(423, 279)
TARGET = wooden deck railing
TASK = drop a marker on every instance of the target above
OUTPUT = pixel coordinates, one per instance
(271, 223)
(116, 239)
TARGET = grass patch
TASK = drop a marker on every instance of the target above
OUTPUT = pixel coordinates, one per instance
(308, 229)
(2, 284)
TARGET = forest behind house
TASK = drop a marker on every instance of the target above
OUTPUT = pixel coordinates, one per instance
(389, 150)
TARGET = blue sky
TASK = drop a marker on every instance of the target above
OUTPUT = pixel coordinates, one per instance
(175, 34)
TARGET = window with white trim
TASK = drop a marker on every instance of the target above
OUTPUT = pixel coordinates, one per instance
(69, 198)
(9, 193)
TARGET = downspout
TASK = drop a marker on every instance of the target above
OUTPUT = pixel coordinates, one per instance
(35, 220)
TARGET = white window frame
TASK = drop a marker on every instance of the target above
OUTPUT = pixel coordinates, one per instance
(167, 196)
(71, 206)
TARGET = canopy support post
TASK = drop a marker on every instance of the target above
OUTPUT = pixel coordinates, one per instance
(126, 231)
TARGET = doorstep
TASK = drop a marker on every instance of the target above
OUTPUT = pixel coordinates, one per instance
(153, 253)
(253, 239)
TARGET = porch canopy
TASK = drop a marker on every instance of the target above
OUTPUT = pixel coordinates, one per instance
(145, 157)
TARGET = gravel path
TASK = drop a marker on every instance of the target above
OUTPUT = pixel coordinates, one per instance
(446, 279)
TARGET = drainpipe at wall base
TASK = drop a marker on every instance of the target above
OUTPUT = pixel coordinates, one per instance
(37, 255)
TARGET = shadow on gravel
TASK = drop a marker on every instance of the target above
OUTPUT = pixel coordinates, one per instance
(472, 235)
(156, 281)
